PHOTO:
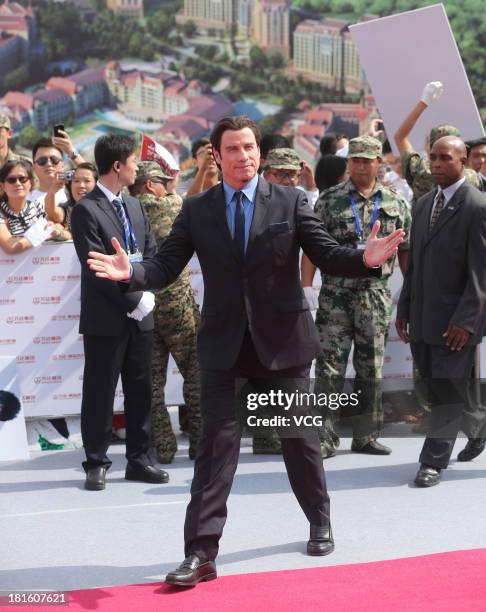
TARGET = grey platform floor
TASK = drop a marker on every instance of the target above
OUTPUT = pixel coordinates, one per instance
(55, 535)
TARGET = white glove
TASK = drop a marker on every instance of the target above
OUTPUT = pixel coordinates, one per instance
(432, 92)
(40, 231)
(144, 307)
(311, 297)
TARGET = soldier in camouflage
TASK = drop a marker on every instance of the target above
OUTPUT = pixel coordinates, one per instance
(415, 169)
(357, 311)
(6, 153)
(176, 317)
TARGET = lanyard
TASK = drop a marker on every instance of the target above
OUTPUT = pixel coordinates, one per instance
(356, 216)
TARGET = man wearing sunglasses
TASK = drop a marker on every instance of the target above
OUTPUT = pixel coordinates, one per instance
(283, 166)
(47, 163)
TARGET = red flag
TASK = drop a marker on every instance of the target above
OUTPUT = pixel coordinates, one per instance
(153, 151)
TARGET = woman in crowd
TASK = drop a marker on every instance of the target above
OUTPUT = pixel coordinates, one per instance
(83, 181)
(23, 224)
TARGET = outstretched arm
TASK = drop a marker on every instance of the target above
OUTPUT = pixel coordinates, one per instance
(156, 272)
(432, 91)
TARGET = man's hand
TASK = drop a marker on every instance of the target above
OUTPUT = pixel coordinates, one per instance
(64, 143)
(307, 177)
(457, 337)
(432, 92)
(379, 250)
(208, 164)
(373, 129)
(113, 267)
(401, 325)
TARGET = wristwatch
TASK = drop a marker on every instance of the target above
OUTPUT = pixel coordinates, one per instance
(74, 154)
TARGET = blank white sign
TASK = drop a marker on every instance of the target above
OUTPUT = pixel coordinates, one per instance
(403, 52)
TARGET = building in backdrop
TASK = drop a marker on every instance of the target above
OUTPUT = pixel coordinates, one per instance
(217, 15)
(132, 9)
(17, 36)
(324, 52)
(270, 26)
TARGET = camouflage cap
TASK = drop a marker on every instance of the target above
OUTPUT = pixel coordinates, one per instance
(443, 130)
(365, 146)
(5, 122)
(283, 159)
(148, 170)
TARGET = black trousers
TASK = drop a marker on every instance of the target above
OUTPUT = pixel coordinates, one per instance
(219, 447)
(447, 383)
(106, 357)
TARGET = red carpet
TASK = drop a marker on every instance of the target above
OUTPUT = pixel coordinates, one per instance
(454, 582)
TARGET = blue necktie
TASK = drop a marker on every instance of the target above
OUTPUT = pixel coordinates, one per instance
(239, 236)
(122, 216)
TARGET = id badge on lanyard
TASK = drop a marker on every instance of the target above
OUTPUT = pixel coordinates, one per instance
(136, 257)
(130, 238)
(361, 246)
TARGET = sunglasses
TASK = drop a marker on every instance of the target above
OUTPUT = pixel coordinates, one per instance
(12, 180)
(42, 161)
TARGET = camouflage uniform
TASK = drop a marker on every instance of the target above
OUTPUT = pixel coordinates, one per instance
(356, 310)
(416, 171)
(176, 317)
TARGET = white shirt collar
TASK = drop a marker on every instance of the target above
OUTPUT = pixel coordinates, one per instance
(451, 190)
(111, 196)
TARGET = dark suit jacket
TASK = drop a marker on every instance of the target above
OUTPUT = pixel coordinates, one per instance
(263, 292)
(104, 305)
(446, 278)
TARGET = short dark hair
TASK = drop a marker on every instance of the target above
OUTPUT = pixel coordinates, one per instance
(7, 168)
(82, 166)
(200, 142)
(386, 147)
(112, 148)
(233, 123)
(328, 144)
(44, 143)
(9, 406)
(329, 170)
(272, 141)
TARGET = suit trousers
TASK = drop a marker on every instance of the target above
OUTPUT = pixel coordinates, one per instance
(219, 447)
(106, 357)
(447, 384)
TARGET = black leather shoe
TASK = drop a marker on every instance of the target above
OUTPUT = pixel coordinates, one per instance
(372, 448)
(320, 541)
(148, 473)
(192, 571)
(427, 476)
(95, 479)
(473, 448)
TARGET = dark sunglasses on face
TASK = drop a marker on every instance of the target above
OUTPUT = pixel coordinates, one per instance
(13, 179)
(42, 161)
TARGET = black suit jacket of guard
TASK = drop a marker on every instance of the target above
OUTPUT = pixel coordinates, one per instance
(446, 278)
(262, 292)
(104, 304)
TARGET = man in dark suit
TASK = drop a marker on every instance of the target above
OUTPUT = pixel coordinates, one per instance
(117, 327)
(442, 306)
(255, 324)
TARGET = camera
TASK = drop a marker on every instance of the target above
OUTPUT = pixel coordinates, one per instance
(66, 176)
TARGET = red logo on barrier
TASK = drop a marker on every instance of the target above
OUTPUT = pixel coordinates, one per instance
(7, 341)
(20, 320)
(47, 380)
(21, 359)
(67, 356)
(19, 280)
(45, 260)
(54, 299)
(6, 262)
(28, 399)
(47, 340)
(7, 301)
(67, 396)
(68, 317)
(66, 277)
